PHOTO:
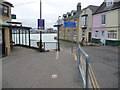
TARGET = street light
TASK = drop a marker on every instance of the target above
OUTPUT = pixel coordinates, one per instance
(59, 24)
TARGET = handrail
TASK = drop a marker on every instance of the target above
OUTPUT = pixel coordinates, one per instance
(85, 78)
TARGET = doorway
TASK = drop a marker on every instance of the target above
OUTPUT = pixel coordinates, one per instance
(89, 37)
(2, 43)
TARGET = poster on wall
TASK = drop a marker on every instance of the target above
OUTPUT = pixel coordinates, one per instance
(41, 24)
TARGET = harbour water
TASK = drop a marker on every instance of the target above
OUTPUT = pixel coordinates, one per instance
(47, 39)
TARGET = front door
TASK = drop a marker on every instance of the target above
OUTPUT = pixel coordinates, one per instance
(89, 37)
(2, 43)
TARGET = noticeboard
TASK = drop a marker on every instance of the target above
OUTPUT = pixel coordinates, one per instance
(41, 24)
(69, 24)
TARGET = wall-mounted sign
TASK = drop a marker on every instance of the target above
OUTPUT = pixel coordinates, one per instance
(13, 16)
(69, 24)
(41, 24)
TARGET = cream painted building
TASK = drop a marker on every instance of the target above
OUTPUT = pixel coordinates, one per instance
(85, 23)
(73, 16)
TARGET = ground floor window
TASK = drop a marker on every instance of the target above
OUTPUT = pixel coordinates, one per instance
(68, 32)
(112, 34)
(63, 32)
(75, 32)
(60, 33)
(96, 34)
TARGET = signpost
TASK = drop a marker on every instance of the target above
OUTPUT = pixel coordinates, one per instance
(41, 24)
(70, 25)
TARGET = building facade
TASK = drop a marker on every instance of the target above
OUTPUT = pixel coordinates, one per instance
(73, 16)
(5, 15)
(106, 25)
(85, 23)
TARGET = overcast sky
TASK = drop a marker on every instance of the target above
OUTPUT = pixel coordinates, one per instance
(27, 11)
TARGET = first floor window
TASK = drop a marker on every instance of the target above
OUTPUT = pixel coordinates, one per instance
(112, 34)
(103, 18)
(96, 34)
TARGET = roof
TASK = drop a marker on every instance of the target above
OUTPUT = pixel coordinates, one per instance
(103, 7)
(93, 8)
(8, 3)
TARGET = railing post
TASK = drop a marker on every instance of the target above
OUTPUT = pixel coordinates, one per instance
(78, 53)
(40, 41)
(29, 39)
(22, 37)
(87, 72)
(44, 45)
(25, 38)
(19, 36)
(16, 36)
(72, 42)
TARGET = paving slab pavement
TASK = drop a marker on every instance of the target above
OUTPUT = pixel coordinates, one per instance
(28, 68)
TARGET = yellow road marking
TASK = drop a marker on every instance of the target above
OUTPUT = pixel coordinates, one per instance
(57, 55)
(75, 57)
(94, 77)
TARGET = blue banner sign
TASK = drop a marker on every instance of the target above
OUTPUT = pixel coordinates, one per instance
(41, 24)
(69, 24)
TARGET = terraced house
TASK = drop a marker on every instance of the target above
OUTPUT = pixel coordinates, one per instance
(106, 23)
(85, 23)
(73, 16)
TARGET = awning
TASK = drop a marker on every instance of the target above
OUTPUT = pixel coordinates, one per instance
(3, 23)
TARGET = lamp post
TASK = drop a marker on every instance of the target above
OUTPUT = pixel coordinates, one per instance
(40, 9)
(58, 32)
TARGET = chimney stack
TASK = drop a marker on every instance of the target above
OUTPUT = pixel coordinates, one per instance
(79, 7)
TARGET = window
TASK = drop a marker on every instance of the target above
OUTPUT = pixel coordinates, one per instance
(68, 32)
(84, 21)
(109, 3)
(75, 32)
(60, 33)
(102, 34)
(4, 10)
(85, 11)
(112, 34)
(103, 17)
(96, 34)
(64, 32)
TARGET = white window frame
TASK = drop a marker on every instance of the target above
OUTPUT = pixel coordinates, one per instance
(75, 32)
(63, 32)
(84, 21)
(109, 3)
(96, 34)
(112, 35)
(103, 19)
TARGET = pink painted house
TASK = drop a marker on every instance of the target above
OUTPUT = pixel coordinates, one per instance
(106, 26)
(98, 28)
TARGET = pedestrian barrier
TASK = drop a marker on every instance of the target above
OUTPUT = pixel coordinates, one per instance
(23, 38)
(45, 45)
(88, 77)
